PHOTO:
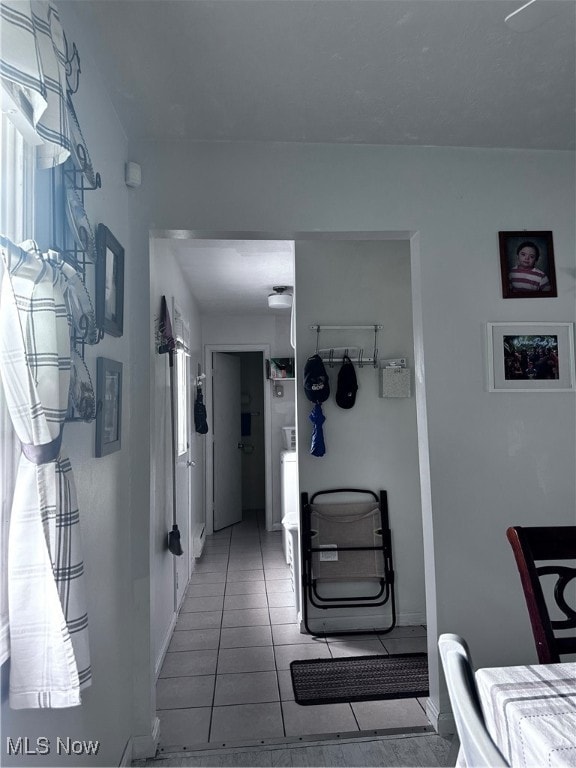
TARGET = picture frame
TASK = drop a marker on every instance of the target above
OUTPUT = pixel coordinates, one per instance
(530, 357)
(109, 282)
(527, 264)
(108, 406)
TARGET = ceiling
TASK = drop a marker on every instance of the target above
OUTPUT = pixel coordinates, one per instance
(232, 276)
(387, 72)
(426, 72)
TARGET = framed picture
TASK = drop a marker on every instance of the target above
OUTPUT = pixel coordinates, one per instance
(108, 406)
(528, 357)
(109, 282)
(527, 265)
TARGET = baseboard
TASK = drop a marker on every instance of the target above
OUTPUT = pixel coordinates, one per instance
(410, 619)
(164, 646)
(363, 623)
(144, 747)
(128, 754)
(443, 722)
(198, 539)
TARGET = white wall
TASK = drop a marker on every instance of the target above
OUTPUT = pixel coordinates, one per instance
(374, 444)
(495, 458)
(166, 279)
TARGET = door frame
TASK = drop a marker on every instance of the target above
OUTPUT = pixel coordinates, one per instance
(184, 461)
(208, 462)
(433, 710)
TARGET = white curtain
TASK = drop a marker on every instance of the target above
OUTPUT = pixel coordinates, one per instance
(48, 621)
(33, 67)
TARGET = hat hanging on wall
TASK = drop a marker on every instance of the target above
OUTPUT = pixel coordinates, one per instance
(316, 381)
(279, 299)
(347, 384)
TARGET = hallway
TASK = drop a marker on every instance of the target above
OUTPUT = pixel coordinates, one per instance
(226, 680)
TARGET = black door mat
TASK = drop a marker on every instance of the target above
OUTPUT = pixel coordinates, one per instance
(360, 678)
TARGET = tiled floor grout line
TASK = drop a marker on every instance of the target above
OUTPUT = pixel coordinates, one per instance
(272, 637)
(219, 643)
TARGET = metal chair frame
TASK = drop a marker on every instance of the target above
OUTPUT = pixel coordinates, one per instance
(311, 586)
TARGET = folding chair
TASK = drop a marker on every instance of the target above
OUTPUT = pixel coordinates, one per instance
(346, 554)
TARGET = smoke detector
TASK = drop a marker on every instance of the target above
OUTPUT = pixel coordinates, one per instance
(279, 299)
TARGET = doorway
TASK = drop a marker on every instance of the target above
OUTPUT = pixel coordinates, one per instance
(239, 446)
(238, 472)
(225, 327)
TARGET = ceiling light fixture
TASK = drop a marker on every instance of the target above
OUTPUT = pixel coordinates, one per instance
(279, 299)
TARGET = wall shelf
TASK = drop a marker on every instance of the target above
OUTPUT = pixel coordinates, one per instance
(276, 365)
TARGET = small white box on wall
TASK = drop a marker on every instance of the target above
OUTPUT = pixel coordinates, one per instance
(394, 382)
(132, 175)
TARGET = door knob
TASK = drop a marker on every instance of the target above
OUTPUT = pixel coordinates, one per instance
(190, 463)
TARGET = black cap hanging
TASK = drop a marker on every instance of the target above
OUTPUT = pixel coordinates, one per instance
(347, 384)
(316, 383)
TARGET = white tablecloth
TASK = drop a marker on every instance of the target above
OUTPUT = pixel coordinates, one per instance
(530, 712)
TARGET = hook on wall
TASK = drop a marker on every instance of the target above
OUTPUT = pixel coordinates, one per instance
(199, 376)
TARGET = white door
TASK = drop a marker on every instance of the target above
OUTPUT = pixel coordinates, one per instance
(227, 461)
(182, 391)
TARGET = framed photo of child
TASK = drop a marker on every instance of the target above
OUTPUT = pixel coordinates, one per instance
(527, 265)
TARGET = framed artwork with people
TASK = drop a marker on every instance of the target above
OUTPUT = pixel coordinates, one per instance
(527, 265)
(524, 357)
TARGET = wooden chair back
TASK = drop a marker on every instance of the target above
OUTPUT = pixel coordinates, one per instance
(547, 544)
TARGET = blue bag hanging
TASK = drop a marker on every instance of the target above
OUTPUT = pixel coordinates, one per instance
(317, 445)
(317, 390)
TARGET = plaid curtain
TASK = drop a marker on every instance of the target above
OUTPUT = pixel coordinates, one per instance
(33, 67)
(48, 621)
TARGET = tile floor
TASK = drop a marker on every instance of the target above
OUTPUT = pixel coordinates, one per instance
(226, 676)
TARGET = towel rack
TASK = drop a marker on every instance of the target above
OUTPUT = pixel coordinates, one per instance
(356, 354)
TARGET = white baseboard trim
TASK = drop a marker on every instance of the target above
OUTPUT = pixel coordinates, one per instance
(366, 622)
(198, 539)
(164, 646)
(144, 747)
(443, 722)
(128, 754)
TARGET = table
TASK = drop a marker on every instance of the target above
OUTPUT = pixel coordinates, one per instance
(530, 712)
